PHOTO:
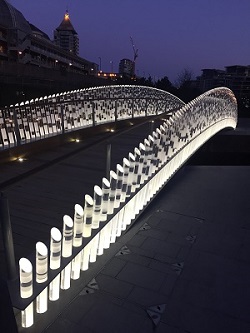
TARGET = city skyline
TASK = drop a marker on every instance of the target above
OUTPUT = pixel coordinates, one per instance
(170, 35)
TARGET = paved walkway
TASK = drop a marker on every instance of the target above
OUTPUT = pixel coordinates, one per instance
(184, 267)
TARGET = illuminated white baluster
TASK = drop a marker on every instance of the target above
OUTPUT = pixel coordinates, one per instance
(130, 174)
(42, 276)
(26, 290)
(137, 155)
(67, 250)
(105, 198)
(143, 164)
(119, 172)
(97, 207)
(126, 166)
(151, 155)
(78, 226)
(55, 262)
(85, 257)
(88, 213)
(93, 248)
(113, 231)
(77, 241)
(104, 213)
(112, 194)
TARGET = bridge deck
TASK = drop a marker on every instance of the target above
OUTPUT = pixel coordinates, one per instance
(192, 257)
(38, 200)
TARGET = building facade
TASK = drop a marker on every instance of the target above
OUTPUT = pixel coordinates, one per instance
(127, 68)
(66, 37)
(236, 77)
(23, 42)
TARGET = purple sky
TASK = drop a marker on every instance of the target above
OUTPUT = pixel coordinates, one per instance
(170, 34)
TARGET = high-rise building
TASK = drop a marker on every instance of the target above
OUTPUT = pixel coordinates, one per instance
(66, 37)
(127, 68)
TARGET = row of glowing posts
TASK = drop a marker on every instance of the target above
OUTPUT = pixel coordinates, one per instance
(122, 184)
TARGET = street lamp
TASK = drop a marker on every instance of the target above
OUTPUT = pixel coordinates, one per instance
(100, 64)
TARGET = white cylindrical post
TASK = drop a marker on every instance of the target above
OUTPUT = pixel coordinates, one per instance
(67, 250)
(85, 258)
(26, 280)
(78, 224)
(88, 214)
(97, 207)
(113, 182)
(141, 170)
(77, 241)
(67, 236)
(55, 262)
(126, 166)
(119, 172)
(130, 174)
(105, 199)
(42, 276)
(26, 290)
(93, 248)
(137, 155)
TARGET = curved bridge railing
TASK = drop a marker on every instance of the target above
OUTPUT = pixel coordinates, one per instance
(116, 205)
(48, 116)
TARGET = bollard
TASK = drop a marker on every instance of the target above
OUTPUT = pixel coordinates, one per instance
(7, 236)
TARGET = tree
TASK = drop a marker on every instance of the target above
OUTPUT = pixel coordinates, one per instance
(186, 86)
(164, 84)
(184, 78)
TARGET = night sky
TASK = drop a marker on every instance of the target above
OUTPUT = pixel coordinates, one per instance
(170, 34)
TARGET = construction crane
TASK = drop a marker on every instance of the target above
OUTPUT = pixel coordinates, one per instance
(134, 49)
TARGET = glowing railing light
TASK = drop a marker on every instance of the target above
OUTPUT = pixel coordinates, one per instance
(126, 166)
(78, 225)
(113, 181)
(41, 276)
(26, 290)
(88, 212)
(119, 172)
(105, 199)
(67, 250)
(97, 207)
(55, 262)
(77, 241)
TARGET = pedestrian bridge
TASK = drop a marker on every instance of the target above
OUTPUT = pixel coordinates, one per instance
(124, 193)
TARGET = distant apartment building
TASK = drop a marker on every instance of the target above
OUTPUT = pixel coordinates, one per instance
(22, 42)
(127, 68)
(236, 77)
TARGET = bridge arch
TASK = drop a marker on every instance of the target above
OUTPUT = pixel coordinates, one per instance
(131, 187)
